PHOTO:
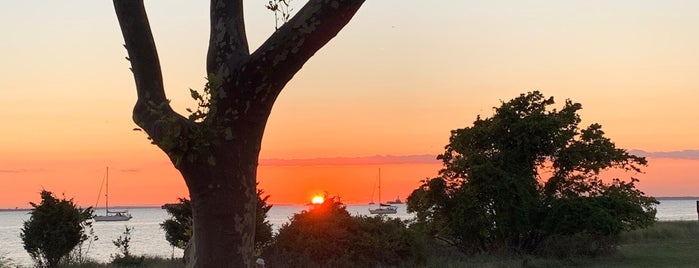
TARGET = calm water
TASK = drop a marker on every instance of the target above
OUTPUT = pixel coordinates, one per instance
(149, 239)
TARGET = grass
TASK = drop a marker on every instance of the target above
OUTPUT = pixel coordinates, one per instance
(666, 244)
(151, 262)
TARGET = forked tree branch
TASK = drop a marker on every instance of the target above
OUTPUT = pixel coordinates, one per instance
(141, 48)
(283, 54)
(152, 106)
(248, 82)
(228, 44)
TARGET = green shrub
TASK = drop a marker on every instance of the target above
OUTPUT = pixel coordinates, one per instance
(55, 228)
(578, 244)
(328, 236)
(386, 241)
(319, 235)
(178, 227)
(143, 261)
(124, 257)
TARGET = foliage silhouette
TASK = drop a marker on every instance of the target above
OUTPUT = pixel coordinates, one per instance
(55, 228)
(124, 257)
(123, 242)
(328, 236)
(493, 193)
(178, 227)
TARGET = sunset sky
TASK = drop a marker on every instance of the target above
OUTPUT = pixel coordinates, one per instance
(393, 83)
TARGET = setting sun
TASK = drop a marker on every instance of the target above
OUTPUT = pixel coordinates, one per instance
(317, 200)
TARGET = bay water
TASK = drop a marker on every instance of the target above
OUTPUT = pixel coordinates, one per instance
(147, 238)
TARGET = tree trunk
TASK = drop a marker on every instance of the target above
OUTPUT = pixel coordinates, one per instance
(223, 207)
(218, 156)
(222, 186)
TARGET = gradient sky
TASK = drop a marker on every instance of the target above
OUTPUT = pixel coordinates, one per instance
(394, 82)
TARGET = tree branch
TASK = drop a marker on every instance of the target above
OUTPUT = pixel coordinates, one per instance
(228, 44)
(152, 107)
(141, 48)
(283, 54)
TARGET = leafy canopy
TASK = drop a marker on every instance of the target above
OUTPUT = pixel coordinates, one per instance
(527, 174)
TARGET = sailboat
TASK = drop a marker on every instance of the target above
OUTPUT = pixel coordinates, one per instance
(372, 194)
(383, 208)
(111, 215)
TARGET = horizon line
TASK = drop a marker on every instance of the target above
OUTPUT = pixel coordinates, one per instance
(680, 197)
(691, 154)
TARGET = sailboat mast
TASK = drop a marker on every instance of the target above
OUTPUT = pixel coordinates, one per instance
(380, 187)
(106, 195)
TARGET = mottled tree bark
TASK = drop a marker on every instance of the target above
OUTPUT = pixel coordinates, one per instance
(218, 156)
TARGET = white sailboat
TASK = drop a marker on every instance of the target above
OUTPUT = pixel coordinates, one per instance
(112, 215)
(383, 208)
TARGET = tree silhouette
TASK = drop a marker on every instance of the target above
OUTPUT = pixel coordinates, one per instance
(216, 149)
(528, 176)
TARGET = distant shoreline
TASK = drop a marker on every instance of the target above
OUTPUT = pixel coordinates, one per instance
(353, 204)
(115, 207)
(677, 197)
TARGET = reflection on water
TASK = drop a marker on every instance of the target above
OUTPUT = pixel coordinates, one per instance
(146, 237)
(149, 239)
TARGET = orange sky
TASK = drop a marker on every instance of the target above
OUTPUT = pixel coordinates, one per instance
(153, 181)
(395, 81)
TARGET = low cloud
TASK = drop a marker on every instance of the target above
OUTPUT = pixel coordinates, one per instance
(133, 170)
(13, 170)
(364, 160)
(684, 154)
(429, 159)
(21, 170)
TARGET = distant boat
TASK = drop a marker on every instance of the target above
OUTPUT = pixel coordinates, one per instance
(111, 215)
(383, 208)
(395, 202)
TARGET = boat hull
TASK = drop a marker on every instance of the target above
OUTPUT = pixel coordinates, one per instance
(384, 210)
(113, 218)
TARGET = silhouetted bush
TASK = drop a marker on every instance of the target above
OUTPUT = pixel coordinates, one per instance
(124, 257)
(178, 227)
(386, 241)
(328, 236)
(578, 244)
(55, 228)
